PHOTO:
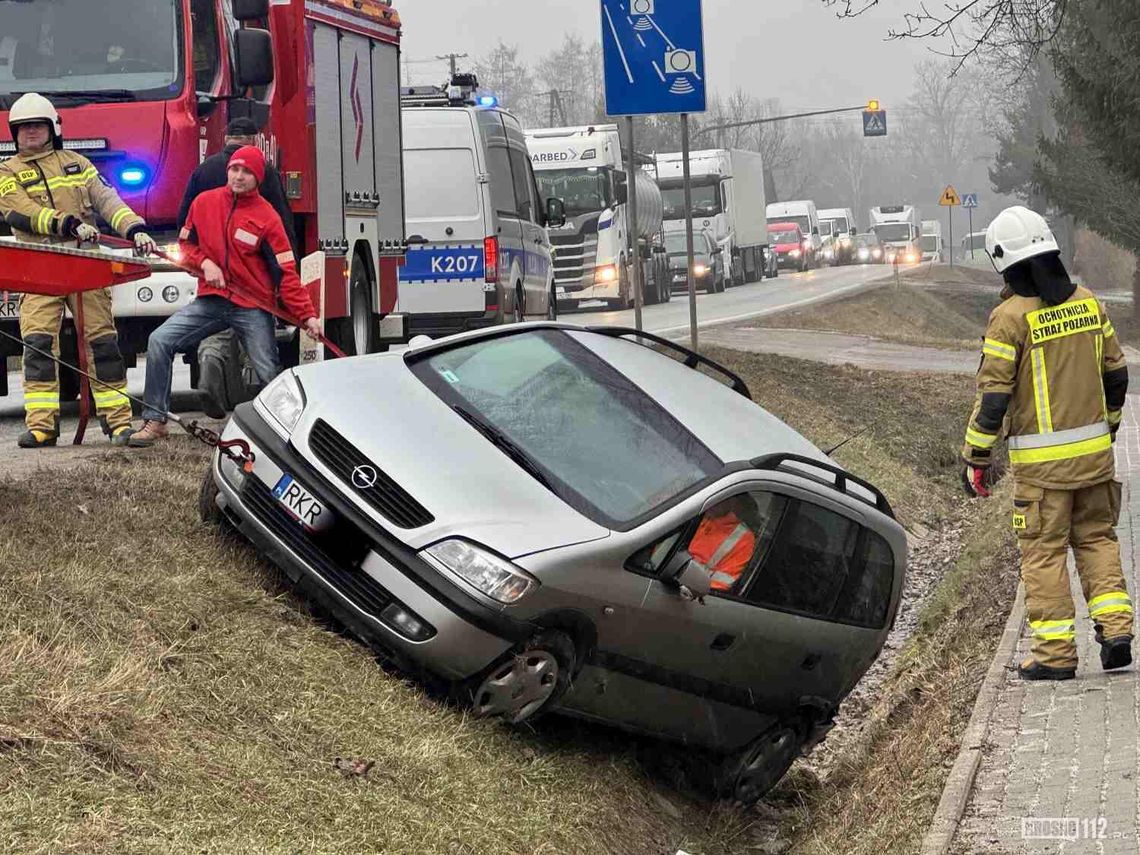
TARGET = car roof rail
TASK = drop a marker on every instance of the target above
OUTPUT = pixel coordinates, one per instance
(692, 358)
(842, 478)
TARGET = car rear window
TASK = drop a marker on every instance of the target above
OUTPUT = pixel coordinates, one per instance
(607, 448)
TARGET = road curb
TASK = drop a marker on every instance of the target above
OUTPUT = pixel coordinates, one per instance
(956, 793)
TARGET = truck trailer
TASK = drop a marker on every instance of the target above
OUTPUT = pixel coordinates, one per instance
(146, 88)
(898, 229)
(728, 201)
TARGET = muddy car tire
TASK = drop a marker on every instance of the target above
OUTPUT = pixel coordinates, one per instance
(746, 776)
(208, 510)
(525, 683)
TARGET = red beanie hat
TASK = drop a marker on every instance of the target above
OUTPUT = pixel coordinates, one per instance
(251, 158)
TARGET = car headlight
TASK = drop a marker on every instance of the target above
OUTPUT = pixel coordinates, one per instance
(607, 273)
(484, 571)
(700, 269)
(795, 253)
(283, 401)
(864, 254)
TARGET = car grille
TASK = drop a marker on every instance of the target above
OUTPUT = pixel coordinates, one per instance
(574, 260)
(386, 496)
(334, 554)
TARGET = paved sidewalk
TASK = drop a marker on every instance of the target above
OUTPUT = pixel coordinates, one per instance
(1068, 751)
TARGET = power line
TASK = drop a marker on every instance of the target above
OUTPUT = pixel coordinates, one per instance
(451, 59)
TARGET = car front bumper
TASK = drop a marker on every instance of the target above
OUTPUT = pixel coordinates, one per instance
(468, 634)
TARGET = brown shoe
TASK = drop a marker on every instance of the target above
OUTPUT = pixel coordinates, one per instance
(150, 433)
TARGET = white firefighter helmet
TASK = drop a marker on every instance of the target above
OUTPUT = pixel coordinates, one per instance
(33, 107)
(1017, 234)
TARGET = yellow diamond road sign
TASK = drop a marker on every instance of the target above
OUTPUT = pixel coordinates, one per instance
(950, 198)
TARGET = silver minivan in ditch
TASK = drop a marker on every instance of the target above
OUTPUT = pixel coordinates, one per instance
(478, 250)
(590, 520)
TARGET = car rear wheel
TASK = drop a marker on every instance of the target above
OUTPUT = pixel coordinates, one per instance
(748, 775)
(520, 304)
(528, 682)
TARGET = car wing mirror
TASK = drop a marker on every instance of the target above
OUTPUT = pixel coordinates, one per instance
(693, 582)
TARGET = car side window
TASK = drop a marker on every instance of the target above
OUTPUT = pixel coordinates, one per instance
(729, 541)
(524, 186)
(809, 563)
(866, 596)
(207, 58)
(502, 184)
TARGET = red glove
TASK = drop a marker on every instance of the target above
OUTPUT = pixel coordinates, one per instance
(976, 482)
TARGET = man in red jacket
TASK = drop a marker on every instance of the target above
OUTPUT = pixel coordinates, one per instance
(236, 239)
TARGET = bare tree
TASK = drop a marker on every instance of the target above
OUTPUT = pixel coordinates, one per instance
(502, 72)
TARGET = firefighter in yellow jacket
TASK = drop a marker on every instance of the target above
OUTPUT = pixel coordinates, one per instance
(49, 195)
(1053, 380)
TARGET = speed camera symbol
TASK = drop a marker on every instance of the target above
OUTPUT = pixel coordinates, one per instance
(680, 61)
(643, 7)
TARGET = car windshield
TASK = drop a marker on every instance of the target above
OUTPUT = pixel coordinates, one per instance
(605, 447)
(583, 191)
(866, 240)
(120, 50)
(840, 226)
(784, 237)
(893, 232)
(803, 222)
(825, 228)
(929, 243)
(706, 201)
(675, 244)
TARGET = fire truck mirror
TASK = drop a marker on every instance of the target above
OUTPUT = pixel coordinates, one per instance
(206, 105)
(253, 59)
(250, 10)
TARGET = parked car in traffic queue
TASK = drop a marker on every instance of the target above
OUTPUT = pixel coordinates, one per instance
(792, 248)
(517, 511)
(708, 262)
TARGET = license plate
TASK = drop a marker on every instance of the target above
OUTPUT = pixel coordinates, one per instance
(560, 292)
(302, 505)
(9, 306)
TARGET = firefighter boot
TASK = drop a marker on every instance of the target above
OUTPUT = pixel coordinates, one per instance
(1095, 513)
(37, 439)
(1030, 669)
(1115, 652)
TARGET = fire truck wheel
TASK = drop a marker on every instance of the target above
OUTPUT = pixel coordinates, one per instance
(363, 321)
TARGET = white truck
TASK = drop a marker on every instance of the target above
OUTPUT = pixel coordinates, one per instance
(586, 168)
(727, 201)
(932, 247)
(899, 231)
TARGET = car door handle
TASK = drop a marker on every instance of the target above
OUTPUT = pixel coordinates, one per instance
(723, 641)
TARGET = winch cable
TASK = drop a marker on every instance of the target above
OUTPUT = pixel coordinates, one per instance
(243, 455)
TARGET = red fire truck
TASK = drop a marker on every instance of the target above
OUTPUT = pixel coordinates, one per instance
(145, 89)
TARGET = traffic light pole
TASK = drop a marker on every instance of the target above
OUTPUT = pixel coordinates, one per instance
(770, 119)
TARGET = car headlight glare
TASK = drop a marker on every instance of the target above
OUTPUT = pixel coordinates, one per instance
(700, 269)
(484, 571)
(795, 253)
(283, 401)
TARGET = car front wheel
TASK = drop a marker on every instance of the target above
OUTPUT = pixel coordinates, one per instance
(748, 775)
(526, 683)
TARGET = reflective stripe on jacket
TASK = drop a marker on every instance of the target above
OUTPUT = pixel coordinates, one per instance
(1055, 377)
(723, 546)
(39, 191)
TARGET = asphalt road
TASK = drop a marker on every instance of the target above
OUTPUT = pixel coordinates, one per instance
(787, 291)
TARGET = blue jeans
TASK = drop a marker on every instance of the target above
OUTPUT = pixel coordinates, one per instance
(192, 324)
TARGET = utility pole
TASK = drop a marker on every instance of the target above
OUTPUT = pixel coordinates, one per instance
(556, 109)
(451, 59)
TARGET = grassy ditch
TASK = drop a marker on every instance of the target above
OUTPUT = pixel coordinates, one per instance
(161, 690)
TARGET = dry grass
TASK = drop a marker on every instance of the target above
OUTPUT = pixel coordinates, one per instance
(935, 307)
(161, 691)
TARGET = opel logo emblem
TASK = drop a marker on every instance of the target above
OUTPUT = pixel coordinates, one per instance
(364, 477)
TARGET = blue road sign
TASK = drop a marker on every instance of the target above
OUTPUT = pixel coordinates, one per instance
(654, 56)
(874, 123)
(969, 200)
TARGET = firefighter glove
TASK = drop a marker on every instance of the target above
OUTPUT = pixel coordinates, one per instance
(144, 244)
(86, 233)
(976, 481)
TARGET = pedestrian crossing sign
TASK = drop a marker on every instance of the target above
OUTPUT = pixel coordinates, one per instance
(874, 123)
(970, 200)
(950, 198)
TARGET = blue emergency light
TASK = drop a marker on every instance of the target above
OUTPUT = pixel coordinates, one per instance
(133, 176)
(488, 101)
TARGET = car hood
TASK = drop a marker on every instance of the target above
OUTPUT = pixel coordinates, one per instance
(787, 247)
(471, 488)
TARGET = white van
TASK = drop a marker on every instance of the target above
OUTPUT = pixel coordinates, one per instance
(804, 214)
(843, 233)
(478, 252)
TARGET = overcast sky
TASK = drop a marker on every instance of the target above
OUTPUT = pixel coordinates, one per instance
(792, 49)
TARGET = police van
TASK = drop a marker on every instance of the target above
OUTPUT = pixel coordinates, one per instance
(479, 253)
